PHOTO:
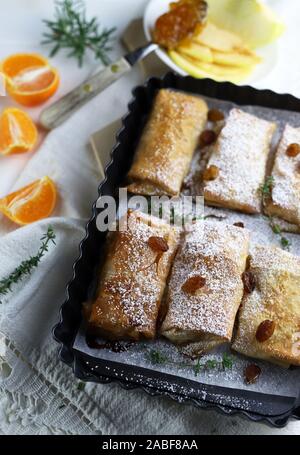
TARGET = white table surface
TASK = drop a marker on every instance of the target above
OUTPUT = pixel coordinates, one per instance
(21, 29)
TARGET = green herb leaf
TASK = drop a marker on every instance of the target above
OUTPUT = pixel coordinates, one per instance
(285, 243)
(157, 357)
(266, 188)
(227, 361)
(197, 367)
(26, 267)
(71, 30)
(276, 229)
(81, 386)
(211, 364)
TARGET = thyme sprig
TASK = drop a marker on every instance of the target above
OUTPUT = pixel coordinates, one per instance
(81, 386)
(158, 358)
(266, 189)
(285, 242)
(26, 266)
(266, 193)
(71, 30)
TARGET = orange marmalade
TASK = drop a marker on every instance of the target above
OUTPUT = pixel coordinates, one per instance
(180, 23)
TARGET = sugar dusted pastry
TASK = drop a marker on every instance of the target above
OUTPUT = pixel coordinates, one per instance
(167, 145)
(269, 319)
(133, 278)
(206, 288)
(285, 201)
(237, 166)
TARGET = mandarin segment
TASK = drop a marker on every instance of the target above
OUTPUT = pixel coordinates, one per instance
(30, 78)
(30, 203)
(18, 133)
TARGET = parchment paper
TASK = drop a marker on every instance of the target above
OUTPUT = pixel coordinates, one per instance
(274, 380)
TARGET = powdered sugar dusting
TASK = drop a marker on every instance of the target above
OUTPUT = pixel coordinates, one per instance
(216, 252)
(286, 174)
(275, 298)
(131, 282)
(168, 142)
(241, 154)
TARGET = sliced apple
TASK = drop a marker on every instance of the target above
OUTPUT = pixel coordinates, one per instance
(197, 50)
(254, 22)
(222, 70)
(218, 39)
(235, 59)
(200, 69)
(184, 63)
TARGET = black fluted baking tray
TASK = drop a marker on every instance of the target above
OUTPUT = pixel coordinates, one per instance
(272, 409)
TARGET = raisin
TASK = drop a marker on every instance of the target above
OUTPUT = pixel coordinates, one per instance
(207, 137)
(252, 373)
(249, 281)
(211, 173)
(293, 150)
(158, 244)
(192, 284)
(265, 330)
(239, 224)
(214, 115)
(248, 261)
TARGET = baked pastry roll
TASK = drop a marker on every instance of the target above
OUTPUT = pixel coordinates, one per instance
(167, 144)
(133, 278)
(206, 287)
(269, 319)
(237, 166)
(285, 200)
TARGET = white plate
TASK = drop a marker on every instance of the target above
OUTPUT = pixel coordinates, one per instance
(156, 8)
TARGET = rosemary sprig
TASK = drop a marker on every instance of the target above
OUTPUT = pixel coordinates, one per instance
(26, 267)
(266, 193)
(158, 358)
(71, 30)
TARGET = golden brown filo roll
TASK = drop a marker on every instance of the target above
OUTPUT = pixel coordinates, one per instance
(237, 166)
(133, 278)
(269, 318)
(206, 287)
(167, 145)
(285, 191)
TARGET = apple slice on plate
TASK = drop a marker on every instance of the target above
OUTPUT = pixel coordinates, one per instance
(220, 51)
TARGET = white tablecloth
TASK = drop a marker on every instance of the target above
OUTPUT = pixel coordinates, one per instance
(40, 395)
